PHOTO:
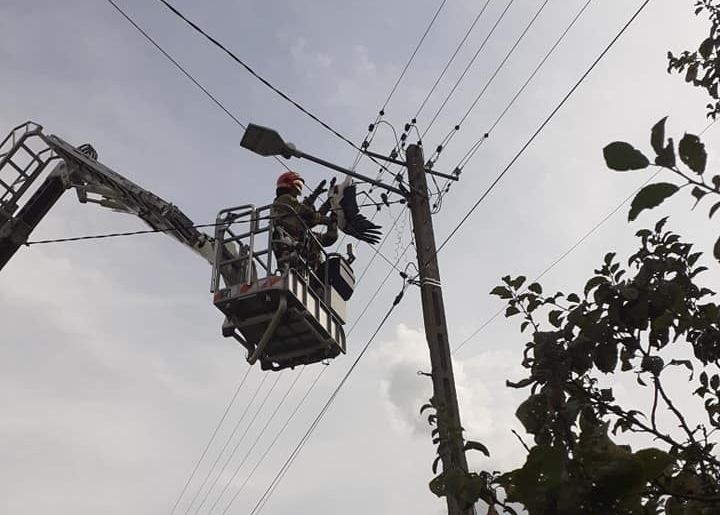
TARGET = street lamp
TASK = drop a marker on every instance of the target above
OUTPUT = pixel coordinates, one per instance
(267, 142)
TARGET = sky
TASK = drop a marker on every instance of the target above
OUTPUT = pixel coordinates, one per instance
(114, 373)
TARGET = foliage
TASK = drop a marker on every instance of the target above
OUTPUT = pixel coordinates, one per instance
(624, 322)
(700, 66)
(621, 156)
(628, 321)
(469, 487)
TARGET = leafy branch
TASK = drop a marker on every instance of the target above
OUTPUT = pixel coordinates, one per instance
(622, 156)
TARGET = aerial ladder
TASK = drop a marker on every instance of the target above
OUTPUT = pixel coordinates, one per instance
(284, 316)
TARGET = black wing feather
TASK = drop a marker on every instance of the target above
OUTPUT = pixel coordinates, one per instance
(356, 225)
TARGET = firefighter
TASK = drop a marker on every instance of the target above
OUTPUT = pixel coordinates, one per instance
(292, 222)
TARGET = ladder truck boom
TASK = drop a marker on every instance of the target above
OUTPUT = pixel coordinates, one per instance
(26, 154)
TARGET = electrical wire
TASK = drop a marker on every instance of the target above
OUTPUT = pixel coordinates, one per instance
(452, 58)
(275, 439)
(259, 409)
(257, 439)
(476, 146)
(488, 83)
(211, 440)
(562, 257)
(259, 77)
(417, 47)
(543, 125)
(180, 67)
(278, 477)
(372, 128)
(467, 68)
(522, 89)
(225, 446)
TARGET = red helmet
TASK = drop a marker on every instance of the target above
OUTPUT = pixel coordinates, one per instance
(291, 181)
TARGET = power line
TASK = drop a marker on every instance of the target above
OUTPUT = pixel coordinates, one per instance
(372, 128)
(488, 83)
(263, 80)
(542, 126)
(476, 146)
(180, 67)
(527, 82)
(452, 58)
(467, 68)
(407, 65)
(275, 439)
(257, 439)
(211, 440)
(259, 409)
(562, 256)
(376, 251)
(263, 499)
(225, 446)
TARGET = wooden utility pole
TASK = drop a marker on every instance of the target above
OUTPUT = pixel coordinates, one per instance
(444, 393)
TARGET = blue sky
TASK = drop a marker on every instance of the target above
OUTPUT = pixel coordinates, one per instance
(114, 371)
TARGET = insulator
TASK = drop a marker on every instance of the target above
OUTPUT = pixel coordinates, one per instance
(365, 144)
(382, 112)
(439, 149)
(457, 171)
(393, 154)
(371, 127)
(486, 135)
(407, 127)
(403, 137)
(429, 164)
(457, 127)
(413, 121)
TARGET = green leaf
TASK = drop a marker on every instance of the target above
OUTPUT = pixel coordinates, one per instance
(622, 156)
(535, 288)
(654, 462)
(606, 357)
(573, 298)
(471, 445)
(713, 209)
(665, 153)
(593, 283)
(657, 136)
(692, 153)
(651, 196)
(510, 311)
(501, 292)
(698, 193)
(425, 407)
(435, 464)
(554, 317)
(706, 48)
(532, 413)
(653, 364)
(518, 282)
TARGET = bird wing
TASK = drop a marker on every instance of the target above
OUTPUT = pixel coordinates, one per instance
(350, 220)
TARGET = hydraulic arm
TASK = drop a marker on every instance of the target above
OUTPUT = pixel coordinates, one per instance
(25, 156)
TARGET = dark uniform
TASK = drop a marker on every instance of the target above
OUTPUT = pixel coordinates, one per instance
(293, 220)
